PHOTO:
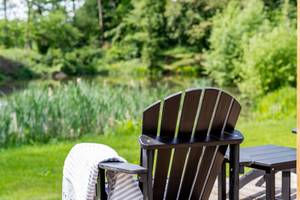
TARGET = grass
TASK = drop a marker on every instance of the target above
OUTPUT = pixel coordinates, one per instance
(35, 171)
(107, 113)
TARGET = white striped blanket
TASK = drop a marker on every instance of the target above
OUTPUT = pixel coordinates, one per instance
(81, 171)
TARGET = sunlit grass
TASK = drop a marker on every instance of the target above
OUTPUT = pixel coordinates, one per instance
(64, 115)
(35, 171)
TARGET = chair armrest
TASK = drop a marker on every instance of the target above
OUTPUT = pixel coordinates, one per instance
(123, 167)
(164, 142)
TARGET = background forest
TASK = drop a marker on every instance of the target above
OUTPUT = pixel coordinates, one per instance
(246, 44)
(84, 70)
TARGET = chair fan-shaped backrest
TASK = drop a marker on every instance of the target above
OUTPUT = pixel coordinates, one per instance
(189, 173)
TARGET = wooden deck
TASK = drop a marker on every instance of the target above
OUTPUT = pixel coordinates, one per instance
(251, 191)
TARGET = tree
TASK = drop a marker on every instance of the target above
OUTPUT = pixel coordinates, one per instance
(5, 9)
(73, 7)
(55, 31)
(189, 22)
(230, 30)
(6, 6)
(101, 23)
(28, 43)
(154, 27)
(5, 21)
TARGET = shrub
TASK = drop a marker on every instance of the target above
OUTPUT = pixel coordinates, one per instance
(277, 105)
(269, 62)
(232, 28)
(53, 30)
(122, 51)
(12, 33)
(81, 61)
(54, 57)
(20, 63)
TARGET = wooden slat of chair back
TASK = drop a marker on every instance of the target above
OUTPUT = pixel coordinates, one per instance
(168, 126)
(190, 172)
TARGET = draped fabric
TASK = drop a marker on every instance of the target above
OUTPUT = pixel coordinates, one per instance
(80, 174)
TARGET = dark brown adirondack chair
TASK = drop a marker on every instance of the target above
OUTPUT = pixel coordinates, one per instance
(183, 163)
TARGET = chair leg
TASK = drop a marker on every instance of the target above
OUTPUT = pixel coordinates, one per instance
(222, 182)
(234, 172)
(286, 185)
(100, 186)
(148, 163)
(270, 185)
(145, 186)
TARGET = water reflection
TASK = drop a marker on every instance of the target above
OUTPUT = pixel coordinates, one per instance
(180, 82)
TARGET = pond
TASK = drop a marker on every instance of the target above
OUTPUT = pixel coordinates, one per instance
(173, 82)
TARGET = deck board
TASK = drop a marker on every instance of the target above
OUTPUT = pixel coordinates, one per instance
(253, 192)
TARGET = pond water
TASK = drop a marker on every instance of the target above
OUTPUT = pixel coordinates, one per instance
(174, 82)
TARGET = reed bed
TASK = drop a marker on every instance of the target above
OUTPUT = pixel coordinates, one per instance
(67, 111)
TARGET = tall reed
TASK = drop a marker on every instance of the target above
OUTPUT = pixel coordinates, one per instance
(70, 110)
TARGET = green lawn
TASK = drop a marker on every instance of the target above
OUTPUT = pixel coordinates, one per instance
(35, 171)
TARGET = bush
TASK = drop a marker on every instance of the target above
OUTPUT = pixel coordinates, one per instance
(81, 61)
(269, 62)
(122, 51)
(26, 56)
(54, 30)
(12, 33)
(231, 29)
(277, 105)
(20, 63)
(54, 57)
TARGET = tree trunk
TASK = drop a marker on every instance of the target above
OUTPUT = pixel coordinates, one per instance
(5, 28)
(74, 7)
(28, 31)
(101, 23)
(5, 9)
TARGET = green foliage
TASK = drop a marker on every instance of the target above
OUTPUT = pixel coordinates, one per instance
(12, 33)
(182, 60)
(119, 52)
(86, 20)
(232, 28)
(253, 48)
(133, 67)
(154, 29)
(277, 105)
(54, 58)
(53, 30)
(81, 61)
(269, 62)
(235, 43)
(20, 63)
(189, 22)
